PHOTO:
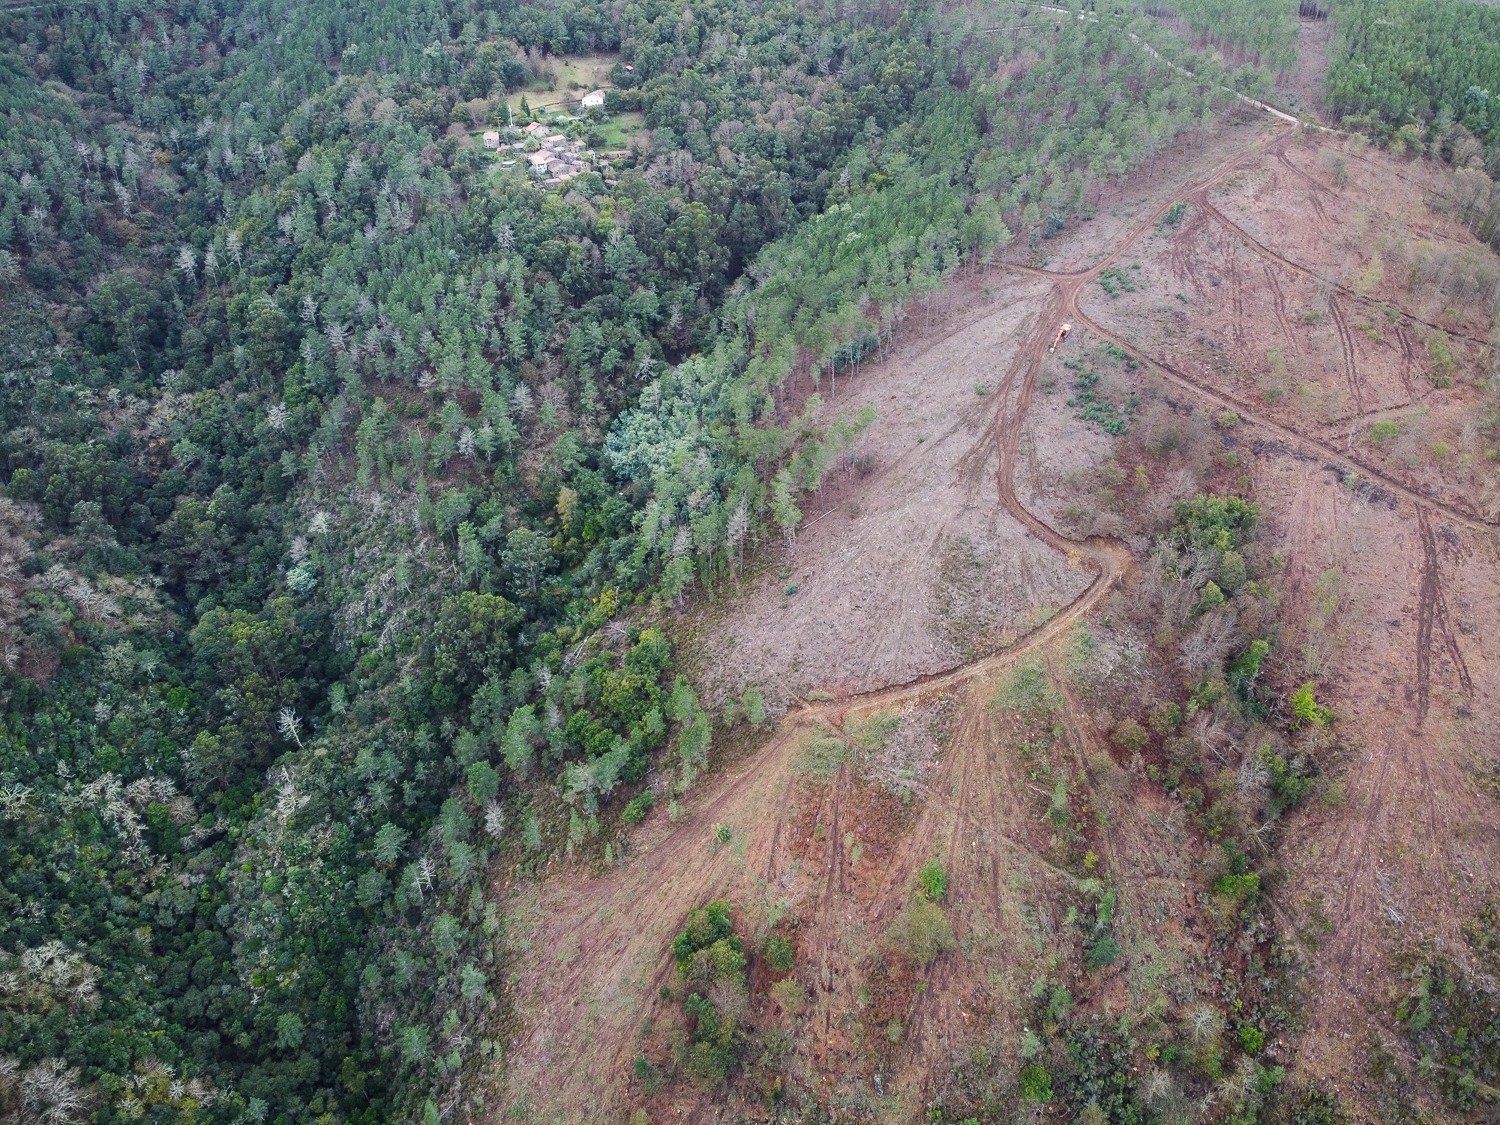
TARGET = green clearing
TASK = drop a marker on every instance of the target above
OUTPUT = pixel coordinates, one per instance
(619, 129)
(563, 80)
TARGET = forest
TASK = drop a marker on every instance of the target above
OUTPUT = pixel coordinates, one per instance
(344, 482)
(1406, 65)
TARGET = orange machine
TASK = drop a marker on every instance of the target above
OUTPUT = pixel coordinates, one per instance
(1061, 334)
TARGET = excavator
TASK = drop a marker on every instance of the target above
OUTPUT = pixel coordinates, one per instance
(1061, 335)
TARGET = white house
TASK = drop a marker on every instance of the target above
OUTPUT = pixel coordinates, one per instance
(593, 100)
(492, 140)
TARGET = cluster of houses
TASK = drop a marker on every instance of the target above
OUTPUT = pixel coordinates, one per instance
(559, 159)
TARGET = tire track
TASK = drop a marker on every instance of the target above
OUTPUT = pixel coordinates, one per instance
(1179, 258)
(1278, 301)
(1236, 300)
(1409, 364)
(1346, 342)
(1343, 290)
(1433, 622)
(1358, 907)
(1346, 461)
(1312, 197)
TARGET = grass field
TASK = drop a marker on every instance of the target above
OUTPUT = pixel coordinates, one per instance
(620, 129)
(565, 80)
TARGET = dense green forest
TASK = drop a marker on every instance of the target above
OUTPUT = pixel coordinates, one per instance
(1400, 63)
(1265, 30)
(341, 475)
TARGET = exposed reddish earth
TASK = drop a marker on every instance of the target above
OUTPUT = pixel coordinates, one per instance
(1397, 638)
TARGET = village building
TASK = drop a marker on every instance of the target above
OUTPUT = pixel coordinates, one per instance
(559, 158)
(491, 140)
(593, 100)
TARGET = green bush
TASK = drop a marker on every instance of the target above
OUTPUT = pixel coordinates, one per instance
(708, 1064)
(1317, 1106)
(1036, 1083)
(1102, 951)
(1129, 735)
(754, 706)
(922, 932)
(1306, 710)
(1211, 599)
(932, 881)
(705, 926)
(1241, 888)
(1221, 522)
(779, 953)
(638, 806)
(1165, 718)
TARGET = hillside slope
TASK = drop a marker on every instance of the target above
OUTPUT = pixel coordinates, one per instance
(1016, 772)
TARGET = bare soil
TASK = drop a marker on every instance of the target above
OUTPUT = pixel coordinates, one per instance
(1387, 574)
(1282, 320)
(912, 567)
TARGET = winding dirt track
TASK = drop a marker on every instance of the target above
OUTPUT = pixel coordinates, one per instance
(609, 964)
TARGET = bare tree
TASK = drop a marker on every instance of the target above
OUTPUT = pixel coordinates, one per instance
(288, 724)
(734, 535)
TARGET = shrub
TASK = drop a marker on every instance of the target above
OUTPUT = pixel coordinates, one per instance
(1036, 1083)
(1232, 571)
(1165, 718)
(932, 881)
(754, 706)
(779, 953)
(923, 932)
(1317, 1106)
(1027, 691)
(1289, 782)
(1383, 431)
(789, 996)
(1238, 887)
(1306, 710)
(708, 1064)
(1442, 359)
(1221, 522)
(1129, 735)
(638, 807)
(1102, 951)
(705, 926)
(1211, 599)
(1252, 1039)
